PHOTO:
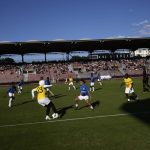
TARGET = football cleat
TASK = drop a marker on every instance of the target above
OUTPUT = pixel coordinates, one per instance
(47, 118)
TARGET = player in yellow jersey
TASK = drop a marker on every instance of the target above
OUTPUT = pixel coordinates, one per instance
(44, 101)
(70, 79)
(129, 91)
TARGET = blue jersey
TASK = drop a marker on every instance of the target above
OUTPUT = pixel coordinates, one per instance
(47, 82)
(20, 83)
(93, 79)
(84, 90)
(12, 89)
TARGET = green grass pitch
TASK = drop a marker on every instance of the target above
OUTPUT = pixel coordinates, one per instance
(111, 130)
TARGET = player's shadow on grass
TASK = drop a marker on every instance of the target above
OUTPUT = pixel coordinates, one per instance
(57, 96)
(97, 89)
(62, 111)
(94, 104)
(25, 102)
(138, 109)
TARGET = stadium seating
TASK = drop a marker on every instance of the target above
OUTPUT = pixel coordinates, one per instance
(60, 71)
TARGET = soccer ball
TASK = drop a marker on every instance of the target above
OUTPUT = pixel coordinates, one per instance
(55, 115)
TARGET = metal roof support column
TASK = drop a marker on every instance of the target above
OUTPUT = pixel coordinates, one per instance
(22, 55)
(113, 54)
(91, 55)
(45, 57)
(67, 56)
(129, 54)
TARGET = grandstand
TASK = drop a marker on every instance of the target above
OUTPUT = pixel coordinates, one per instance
(60, 70)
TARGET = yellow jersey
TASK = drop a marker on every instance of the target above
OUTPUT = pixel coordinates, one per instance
(41, 92)
(70, 79)
(128, 82)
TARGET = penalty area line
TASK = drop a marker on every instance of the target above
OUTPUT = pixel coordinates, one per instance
(71, 119)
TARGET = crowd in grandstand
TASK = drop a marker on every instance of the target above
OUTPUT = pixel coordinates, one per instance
(60, 71)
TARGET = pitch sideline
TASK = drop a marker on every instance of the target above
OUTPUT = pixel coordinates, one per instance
(71, 119)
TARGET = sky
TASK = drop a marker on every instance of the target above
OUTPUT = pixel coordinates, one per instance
(46, 20)
(23, 20)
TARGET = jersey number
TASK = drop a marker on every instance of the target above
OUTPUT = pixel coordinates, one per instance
(40, 90)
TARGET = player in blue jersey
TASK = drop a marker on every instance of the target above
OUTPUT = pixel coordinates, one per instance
(84, 95)
(47, 82)
(20, 86)
(11, 93)
(92, 79)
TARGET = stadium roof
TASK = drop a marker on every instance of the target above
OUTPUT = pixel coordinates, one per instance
(72, 45)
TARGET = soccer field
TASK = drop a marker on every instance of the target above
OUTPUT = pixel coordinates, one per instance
(115, 124)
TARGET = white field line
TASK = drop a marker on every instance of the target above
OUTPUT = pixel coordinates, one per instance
(71, 119)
